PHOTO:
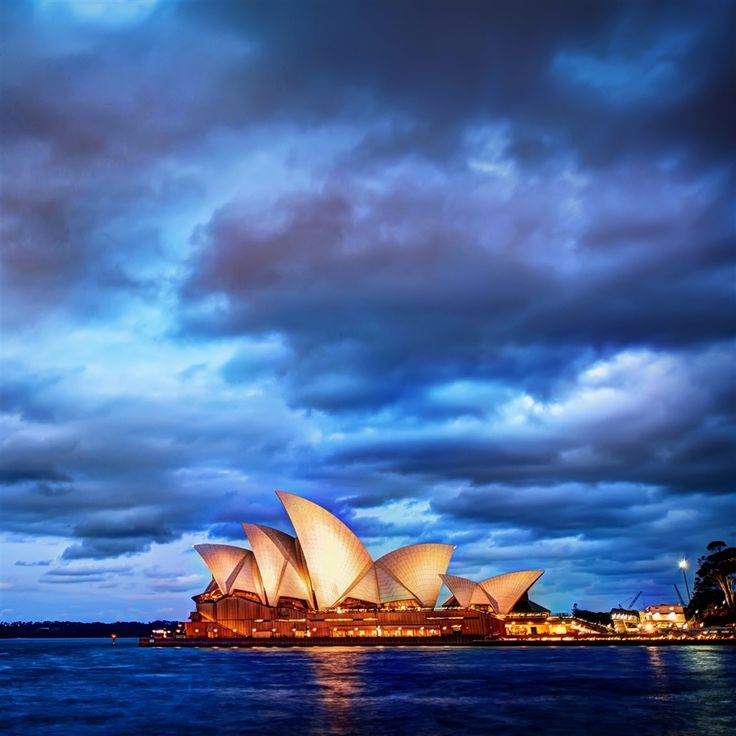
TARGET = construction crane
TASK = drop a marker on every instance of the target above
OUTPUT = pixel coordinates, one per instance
(679, 596)
(631, 602)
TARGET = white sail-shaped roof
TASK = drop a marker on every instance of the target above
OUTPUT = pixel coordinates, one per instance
(295, 584)
(365, 589)
(336, 559)
(417, 568)
(247, 577)
(280, 566)
(466, 592)
(506, 589)
(223, 561)
(390, 589)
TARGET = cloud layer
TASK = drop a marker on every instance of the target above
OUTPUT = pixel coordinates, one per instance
(462, 274)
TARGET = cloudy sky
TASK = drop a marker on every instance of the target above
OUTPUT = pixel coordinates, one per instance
(461, 272)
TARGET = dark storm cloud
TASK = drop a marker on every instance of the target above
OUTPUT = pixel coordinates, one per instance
(75, 581)
(81, 572)
(23, 394)
(84, 131)
(610, 540)
(562, 509)
(72, 575)
(24, 457)
(100, 549)
(699, 459)
(39, 563)
(123, 534)
(373, 316)
(227, 530)
(91, 114)
(606, 78)
(115, 479)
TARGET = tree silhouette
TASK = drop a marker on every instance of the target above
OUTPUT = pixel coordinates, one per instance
(715, 580)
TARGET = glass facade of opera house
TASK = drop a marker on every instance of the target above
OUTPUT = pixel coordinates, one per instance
(322, 582)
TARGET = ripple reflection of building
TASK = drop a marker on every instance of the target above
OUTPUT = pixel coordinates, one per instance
(659, 670)
(707, 675)
(656, 664)
(340, 689)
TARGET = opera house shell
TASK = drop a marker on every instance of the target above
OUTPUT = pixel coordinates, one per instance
(323, 582)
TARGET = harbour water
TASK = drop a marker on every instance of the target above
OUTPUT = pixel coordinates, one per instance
(89, 686)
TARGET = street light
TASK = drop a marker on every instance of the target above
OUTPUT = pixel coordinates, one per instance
(683, 566)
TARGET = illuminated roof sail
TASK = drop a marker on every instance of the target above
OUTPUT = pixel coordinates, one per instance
(506, 589)
(466, 592)
(223, 561)
(336, 559)
(417, 567)
(280, 565)
(247, 577)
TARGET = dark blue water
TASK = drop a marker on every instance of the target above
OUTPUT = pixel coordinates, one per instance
(79, 687)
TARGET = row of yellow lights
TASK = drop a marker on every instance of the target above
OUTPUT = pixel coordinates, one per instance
(334, 628)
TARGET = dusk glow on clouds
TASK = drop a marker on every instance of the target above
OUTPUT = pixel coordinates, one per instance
(461, 272)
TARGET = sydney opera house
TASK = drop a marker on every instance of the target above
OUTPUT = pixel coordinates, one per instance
(323, 583)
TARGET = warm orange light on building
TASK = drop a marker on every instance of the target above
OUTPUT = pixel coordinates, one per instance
(324, 583)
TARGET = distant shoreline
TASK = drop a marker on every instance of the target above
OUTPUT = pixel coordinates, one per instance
(80, 629)
(81, 637)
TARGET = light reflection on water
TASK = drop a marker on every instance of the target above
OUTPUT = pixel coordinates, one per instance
(90, 687)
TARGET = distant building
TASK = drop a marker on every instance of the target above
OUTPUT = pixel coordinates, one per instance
(323, 582)
(625, 621)
(663, 617)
